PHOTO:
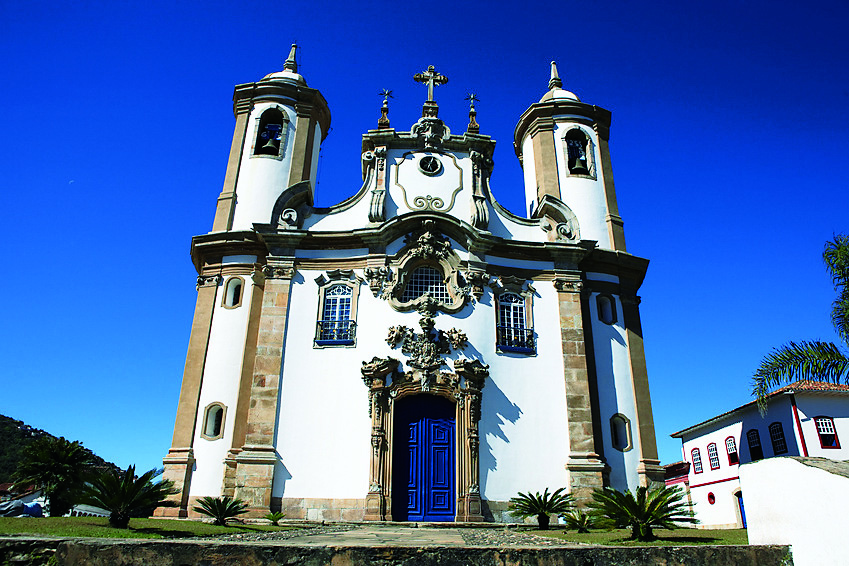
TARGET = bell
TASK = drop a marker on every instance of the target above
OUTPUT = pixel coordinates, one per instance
(579, 168)
(270, 146)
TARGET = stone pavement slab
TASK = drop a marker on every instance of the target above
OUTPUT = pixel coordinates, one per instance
(380, 536)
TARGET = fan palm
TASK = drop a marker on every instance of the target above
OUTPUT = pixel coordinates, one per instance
(650, 508)
(124, 495)
(221, 509)
(58, 467)
(581, 521)
(542, 506)
(815, 360)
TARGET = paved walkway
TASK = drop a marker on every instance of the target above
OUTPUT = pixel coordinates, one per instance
(381, 536)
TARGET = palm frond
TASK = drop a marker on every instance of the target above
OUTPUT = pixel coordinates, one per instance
(124, 495)
(818, 361)
(840, 314)
(221, 509)
(647, 509)
(836, 258)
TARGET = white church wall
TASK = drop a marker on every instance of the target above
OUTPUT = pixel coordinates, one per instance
(261, 179)
(520, 263)
(530, 175)
(524, 434)
(584, 196)
(502, 226)
(323, 430)
(788, 502)
(223, 362)
(615, 392)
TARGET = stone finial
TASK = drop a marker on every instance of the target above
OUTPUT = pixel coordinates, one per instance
(473, 127)
(383, 121)
(291, 64)
(555, 81)
(430, 78)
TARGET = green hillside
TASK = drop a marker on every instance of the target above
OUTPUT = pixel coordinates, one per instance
(14, 437)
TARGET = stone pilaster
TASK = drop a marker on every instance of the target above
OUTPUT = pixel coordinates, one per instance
(545, 158)
(180, 460)
(255, 463)
(585, 465)
(240, 421)
(227, 199)
(615, 225)
(649, 469)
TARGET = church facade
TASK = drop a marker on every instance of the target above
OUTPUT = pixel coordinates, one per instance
(415, 352)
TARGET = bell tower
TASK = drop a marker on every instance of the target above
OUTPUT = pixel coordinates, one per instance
(563, 146)
(280, 124)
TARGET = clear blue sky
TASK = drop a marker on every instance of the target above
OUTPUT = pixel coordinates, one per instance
(729, 147)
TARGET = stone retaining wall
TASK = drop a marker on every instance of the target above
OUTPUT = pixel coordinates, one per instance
(104, 552)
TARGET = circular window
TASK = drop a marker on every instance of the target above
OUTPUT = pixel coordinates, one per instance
(430, 165)
(711, 498)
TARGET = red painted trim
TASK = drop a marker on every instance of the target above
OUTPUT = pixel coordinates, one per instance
(693, 453)
(834, 428)
(736, 451)
(710, 460)
(799, 425)
(713, 482)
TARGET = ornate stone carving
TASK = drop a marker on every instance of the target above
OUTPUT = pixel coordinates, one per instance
(431, 132)
(568, 285)
(477, 280)
(278, 272)
(428, 242)
(481, 170)
(378, 278)
(456, 338)
(288, 219)
(566, 232)
(208, 281)
(426, 348)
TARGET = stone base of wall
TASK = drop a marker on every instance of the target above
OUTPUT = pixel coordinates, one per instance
(320, 509)
(109, 552)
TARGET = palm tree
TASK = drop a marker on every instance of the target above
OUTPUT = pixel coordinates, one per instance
(58, 467)
(221, 509)
(656, 507)
(815, 360)
(124, 495)
(541, 506)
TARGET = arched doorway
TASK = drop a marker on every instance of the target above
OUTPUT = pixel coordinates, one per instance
(423, 482)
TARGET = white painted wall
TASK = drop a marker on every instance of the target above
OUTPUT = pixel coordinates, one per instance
(788, 502)
(835, 406)
(262, 179)
(220, 384)
(616, 393)
(584, 196)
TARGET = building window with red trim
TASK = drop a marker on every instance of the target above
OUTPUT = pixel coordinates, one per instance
(754, 440)
(827, 432)
(713, 456)
(697, 461)
(776, 434)
(731, 448)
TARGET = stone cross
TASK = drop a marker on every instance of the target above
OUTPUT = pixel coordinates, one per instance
(430, 78)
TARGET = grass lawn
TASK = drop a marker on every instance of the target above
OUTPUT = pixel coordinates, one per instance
(139, 528)
(620, 537)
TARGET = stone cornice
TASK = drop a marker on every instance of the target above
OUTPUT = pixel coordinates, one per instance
(307, 101)
(543, 112)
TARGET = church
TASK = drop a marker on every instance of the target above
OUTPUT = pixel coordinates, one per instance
(416, 352)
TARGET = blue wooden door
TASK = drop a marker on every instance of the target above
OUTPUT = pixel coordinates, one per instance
(742, 509)
(423, 467)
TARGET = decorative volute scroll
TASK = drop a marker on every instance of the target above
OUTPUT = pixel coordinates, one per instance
(337, 275)
(477, 280)
(427, 247)
(378, 278)
(464, 388)
(208, 281)
(377, 207)
(558, 220)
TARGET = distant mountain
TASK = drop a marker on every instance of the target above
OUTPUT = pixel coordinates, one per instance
(15, 436)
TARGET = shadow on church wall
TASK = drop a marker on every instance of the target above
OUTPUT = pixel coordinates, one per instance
(496, 409)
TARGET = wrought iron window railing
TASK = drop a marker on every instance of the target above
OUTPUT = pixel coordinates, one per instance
(512, 339)
(335, 332)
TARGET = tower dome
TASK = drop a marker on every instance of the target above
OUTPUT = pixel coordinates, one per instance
(555, 88)
(290, 71)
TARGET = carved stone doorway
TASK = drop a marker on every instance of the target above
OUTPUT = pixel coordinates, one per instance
(423, 455)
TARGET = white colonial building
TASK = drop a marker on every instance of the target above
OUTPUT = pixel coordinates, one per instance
(805, 418)
(415, 352)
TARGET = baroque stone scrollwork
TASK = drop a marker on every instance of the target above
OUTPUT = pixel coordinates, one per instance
(378, 278)
(568, 285)
(431, 132)
(464, 387)
(278, 272)
(428, 242)
(426, 348)
(481, 170)
(288, 219)
(208, 281)
(477, 280)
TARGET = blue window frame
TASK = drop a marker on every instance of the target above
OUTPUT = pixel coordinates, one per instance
(336, 327)
(513, 333)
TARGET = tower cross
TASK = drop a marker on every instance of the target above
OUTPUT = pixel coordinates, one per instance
(430, 78)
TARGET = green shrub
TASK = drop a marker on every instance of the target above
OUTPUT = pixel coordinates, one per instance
(581, 521)
(125, 496)
(542, 506)
(656, 507)
(221, 509)
(275, 517)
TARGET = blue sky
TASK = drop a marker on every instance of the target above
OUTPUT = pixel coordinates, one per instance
(729, 147)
